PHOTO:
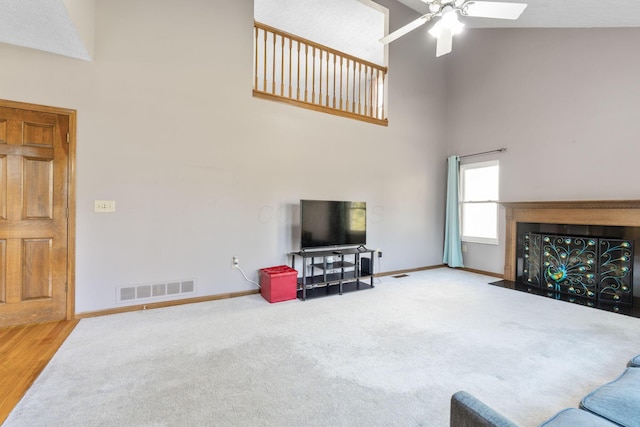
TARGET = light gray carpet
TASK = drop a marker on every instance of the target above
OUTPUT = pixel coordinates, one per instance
(389, 356)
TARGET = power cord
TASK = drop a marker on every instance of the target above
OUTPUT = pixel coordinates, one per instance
(237, 266)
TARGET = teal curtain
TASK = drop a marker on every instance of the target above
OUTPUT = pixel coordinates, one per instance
(452, 243)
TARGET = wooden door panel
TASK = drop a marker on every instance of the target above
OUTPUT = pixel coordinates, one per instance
(37, 189)
(37, 134)
(37, 271)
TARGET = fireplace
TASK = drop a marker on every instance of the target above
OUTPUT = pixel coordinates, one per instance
(580, 251)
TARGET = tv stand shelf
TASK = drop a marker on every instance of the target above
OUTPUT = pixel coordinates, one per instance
(334, 265)
(344, 274)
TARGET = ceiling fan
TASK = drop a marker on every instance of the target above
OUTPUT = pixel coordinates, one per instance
(449, 25)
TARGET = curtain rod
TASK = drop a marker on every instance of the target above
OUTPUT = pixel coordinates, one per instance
(499, 150)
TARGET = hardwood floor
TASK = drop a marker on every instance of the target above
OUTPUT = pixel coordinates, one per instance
(24, 352)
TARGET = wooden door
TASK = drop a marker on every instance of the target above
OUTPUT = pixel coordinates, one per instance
(34, 202)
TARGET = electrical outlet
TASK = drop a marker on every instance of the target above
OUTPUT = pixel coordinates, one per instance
(464, 248)
(235, 262)
(379, 252)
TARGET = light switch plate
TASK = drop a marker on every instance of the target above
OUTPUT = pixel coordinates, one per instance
(104, 206)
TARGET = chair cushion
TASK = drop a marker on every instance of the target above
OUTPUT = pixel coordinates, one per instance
(635, 362)
(617, 401)
(574, 417)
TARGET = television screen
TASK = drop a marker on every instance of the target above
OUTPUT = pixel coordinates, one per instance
(332, 223)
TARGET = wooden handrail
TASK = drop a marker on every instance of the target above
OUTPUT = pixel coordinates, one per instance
(308, 74)
(316, 45)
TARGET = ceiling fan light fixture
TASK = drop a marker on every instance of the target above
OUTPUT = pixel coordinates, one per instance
(448, 24)
(449, 17)
(449, 20)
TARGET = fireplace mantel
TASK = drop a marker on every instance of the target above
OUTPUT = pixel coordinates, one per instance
(624, 213)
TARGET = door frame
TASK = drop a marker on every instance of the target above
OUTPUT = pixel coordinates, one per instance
(71, 196)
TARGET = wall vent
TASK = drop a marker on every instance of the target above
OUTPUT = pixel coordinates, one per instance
(155, 291)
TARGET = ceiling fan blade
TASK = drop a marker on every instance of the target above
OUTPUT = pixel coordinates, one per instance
(445, 42)
(492, 9)
(407, 28)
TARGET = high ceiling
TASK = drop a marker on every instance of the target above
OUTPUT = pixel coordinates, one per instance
(559, 14)
(65, 27)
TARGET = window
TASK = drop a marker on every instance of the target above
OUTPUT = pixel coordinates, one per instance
(479, 184)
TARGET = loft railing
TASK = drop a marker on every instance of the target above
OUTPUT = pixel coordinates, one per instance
(292, 69)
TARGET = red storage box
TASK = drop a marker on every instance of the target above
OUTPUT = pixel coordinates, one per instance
(278, 283)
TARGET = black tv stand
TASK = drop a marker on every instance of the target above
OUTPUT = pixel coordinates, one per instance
(342, 275)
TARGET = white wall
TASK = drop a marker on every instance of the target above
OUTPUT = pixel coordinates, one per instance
(565, 103)
(201, 171)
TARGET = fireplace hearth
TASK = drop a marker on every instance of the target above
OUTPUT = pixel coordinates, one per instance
(582, 252)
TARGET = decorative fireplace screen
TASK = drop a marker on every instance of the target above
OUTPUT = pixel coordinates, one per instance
(593, 271)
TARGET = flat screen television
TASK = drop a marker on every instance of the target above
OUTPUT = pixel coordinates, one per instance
(325, 223)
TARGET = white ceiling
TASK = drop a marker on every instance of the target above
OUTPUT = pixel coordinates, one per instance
(48, 25)
(42, 24)
(559, 14)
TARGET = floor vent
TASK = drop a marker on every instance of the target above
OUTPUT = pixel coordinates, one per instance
(155, 291)
(400, 276)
